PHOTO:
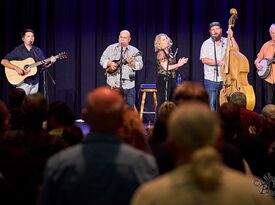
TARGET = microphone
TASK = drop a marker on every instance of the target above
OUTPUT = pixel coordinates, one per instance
(176, 52)
(123, 44)
(214, 37)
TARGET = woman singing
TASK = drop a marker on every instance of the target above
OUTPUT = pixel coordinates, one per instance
(167, 66)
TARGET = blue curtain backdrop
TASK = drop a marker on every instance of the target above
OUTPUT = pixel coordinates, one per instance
(84, 28)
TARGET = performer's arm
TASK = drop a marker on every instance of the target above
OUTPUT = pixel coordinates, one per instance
(53, 59)
(6, 63)
(259, 58)
(162, 59)
(204, 57)
(211, 62)
(233, 42)
(136, 63)
(105, 58)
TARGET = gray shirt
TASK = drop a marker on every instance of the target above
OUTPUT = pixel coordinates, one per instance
(207, 51)
(101, 170)
(111, 53)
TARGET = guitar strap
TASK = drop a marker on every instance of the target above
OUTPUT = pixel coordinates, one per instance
(37, 58)
(35, 54)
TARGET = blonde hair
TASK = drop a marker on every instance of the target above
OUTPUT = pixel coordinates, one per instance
(194, 129)
(271, 27)
(157, 41)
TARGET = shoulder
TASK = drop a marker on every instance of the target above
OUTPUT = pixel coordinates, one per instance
(112, 46)
(237, 183)
(65, 158)
(156, 191)
(137, 159)
(267, 44)
(38, 49)
(135, 154)
(21, 46)
(206, 43)
(18, 48)
(132, 48)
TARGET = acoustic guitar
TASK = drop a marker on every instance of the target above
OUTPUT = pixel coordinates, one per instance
(29, 66)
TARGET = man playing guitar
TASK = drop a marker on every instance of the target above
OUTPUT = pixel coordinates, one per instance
(22, 52)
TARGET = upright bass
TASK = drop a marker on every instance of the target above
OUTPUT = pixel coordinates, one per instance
(235, 71)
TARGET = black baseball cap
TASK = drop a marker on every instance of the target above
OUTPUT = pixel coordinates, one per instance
(215, 23)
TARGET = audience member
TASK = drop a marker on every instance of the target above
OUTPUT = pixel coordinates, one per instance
(18, 179)
(59, 116)
(251, 122)
(16, 97)
(132, 131)
(200, 177)
(158, 138)
(102, 169)
(252, 147)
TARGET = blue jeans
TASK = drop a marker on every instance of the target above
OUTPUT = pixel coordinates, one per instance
(28, 88)
(213, 89)
(130, 96)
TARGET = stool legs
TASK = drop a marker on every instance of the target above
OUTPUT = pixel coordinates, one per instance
(142, 104)
(155, 101)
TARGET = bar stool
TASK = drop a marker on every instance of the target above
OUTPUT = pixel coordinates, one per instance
(147, 88)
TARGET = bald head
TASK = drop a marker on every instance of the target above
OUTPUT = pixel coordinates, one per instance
(125, 32)
(124, 37)
(104, 109)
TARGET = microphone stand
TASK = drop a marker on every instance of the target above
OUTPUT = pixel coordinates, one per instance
(120, 68)
(215, 57)
(44, 71)
(166, 78)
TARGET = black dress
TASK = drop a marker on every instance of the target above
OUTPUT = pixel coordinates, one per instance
(162, 75)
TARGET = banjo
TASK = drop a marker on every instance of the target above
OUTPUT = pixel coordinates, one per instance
(266, 65)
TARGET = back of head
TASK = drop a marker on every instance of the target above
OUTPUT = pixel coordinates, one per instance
(189, 90)
(4, 117)
(132, 130)
(230, 117)
(238, 98)
(268, 113)
(166, 108)
(103, 111)
(60, 113)
(34, 109)
(193, 129)
(72, 135)
(16, 97)
(159, 132)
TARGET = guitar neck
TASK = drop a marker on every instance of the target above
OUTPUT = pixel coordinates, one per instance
(45, 61)
(227, 51)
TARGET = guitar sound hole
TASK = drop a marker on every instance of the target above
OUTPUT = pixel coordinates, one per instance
(26, 67)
